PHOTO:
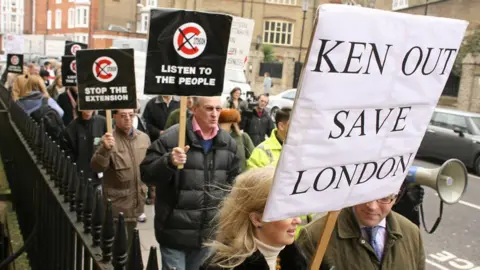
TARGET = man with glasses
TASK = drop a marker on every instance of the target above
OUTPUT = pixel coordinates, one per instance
(118, 157)
(368, 236)
(187, 199)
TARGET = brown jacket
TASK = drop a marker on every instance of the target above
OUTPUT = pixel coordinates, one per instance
(348, 250)
(121, 173)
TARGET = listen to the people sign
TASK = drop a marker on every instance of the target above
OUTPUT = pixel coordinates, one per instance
(367, 94)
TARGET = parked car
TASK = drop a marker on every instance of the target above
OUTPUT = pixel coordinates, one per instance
(284, 99)
(453, 134)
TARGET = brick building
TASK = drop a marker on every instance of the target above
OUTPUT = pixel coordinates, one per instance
(94, 22)
(12, 19)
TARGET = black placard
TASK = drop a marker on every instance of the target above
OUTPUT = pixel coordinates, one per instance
(15, 63)
(71, 47)
(187, 52)
(69, 71)
(106, 79)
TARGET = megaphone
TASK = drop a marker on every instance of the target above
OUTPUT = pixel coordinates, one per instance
(449, 180)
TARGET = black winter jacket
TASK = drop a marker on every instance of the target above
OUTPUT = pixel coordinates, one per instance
(187, 200)
(80, 136)
(156, 114)
(291, 258)
(257, 127)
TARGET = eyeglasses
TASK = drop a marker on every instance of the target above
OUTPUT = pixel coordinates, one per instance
(387, 200)
(212, 108)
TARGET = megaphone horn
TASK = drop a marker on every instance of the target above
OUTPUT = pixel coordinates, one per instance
(449, 180)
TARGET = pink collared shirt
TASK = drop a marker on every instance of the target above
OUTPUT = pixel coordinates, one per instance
(198, 130)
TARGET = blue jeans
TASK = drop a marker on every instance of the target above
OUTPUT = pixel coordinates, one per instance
(190, 259)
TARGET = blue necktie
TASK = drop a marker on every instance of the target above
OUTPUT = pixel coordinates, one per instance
(372, 236)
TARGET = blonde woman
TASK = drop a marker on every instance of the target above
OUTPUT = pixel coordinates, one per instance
(34, 94)
(56, 88)
(243, 240)
(18, 86)
(228, 121)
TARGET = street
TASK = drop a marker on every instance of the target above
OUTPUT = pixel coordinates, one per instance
(455, 244)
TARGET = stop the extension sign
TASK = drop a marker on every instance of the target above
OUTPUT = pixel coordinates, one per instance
(187, 52)
(106, 79)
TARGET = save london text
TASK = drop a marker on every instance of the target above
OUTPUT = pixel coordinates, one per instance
(417, 55)
(353, 174)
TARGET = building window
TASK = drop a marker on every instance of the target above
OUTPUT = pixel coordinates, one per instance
(282, 2)
(58, 19)
(399, 4)
(71, 18)
(144, 23)
(49, 19)
(278, 33)
(81, 17)
(152, 3)
(58, 1)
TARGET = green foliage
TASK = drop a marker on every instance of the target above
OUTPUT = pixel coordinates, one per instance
(268, 54)
(471, 44)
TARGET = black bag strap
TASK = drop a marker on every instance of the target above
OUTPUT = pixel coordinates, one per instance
(44, 101)
(437, 222)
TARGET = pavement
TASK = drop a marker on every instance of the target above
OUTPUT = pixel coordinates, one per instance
(454, 245)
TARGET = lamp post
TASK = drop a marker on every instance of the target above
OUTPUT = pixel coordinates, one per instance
(426, 7)
(304, 8)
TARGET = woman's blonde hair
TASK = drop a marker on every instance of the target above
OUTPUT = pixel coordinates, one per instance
(34, 82)
(58, 81)
(19, 86)
(235, 233)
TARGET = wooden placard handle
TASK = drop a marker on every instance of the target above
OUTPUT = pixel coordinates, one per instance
(108, 116)
(324, 239)
(183, 125)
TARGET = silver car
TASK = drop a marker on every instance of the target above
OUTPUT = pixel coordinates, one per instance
(453, 134)
(284, 99)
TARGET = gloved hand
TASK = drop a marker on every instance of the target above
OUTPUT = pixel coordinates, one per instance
(415, 194)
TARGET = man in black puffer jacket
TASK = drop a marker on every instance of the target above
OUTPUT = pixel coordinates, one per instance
(187, 200)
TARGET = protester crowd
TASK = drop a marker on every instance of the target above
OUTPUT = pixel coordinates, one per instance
(208, 215)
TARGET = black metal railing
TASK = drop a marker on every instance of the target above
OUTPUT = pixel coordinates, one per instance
(66, 221)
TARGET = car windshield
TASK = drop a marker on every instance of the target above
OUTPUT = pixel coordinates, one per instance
(476, 122)
(235, 76)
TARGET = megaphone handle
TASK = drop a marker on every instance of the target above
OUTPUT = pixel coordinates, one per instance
(437, 222)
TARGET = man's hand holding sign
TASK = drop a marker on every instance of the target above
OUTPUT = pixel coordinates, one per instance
(370, 86)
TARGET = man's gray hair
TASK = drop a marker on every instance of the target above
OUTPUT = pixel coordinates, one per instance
(195, 101)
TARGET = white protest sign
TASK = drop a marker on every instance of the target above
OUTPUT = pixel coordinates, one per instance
(14, 43)
(239, 44)
(367, 94)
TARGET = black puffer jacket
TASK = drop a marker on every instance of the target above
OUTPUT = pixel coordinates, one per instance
(257, 127)
(187, 200)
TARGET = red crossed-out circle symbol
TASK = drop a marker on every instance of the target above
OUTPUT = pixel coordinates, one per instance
(75, 48)
(73, 66)
(190, 40)
(14, 60)
(105, 69)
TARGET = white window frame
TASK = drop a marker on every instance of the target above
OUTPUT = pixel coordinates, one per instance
(71, 18)
(152, 3)
(49, 19)
(282, 2)
(144, 20)
(58, 1)
(267, 34)
(399, 4)
(58, 19)
(82, 16)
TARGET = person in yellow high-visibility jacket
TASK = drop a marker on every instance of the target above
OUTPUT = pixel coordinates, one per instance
(268, 152)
